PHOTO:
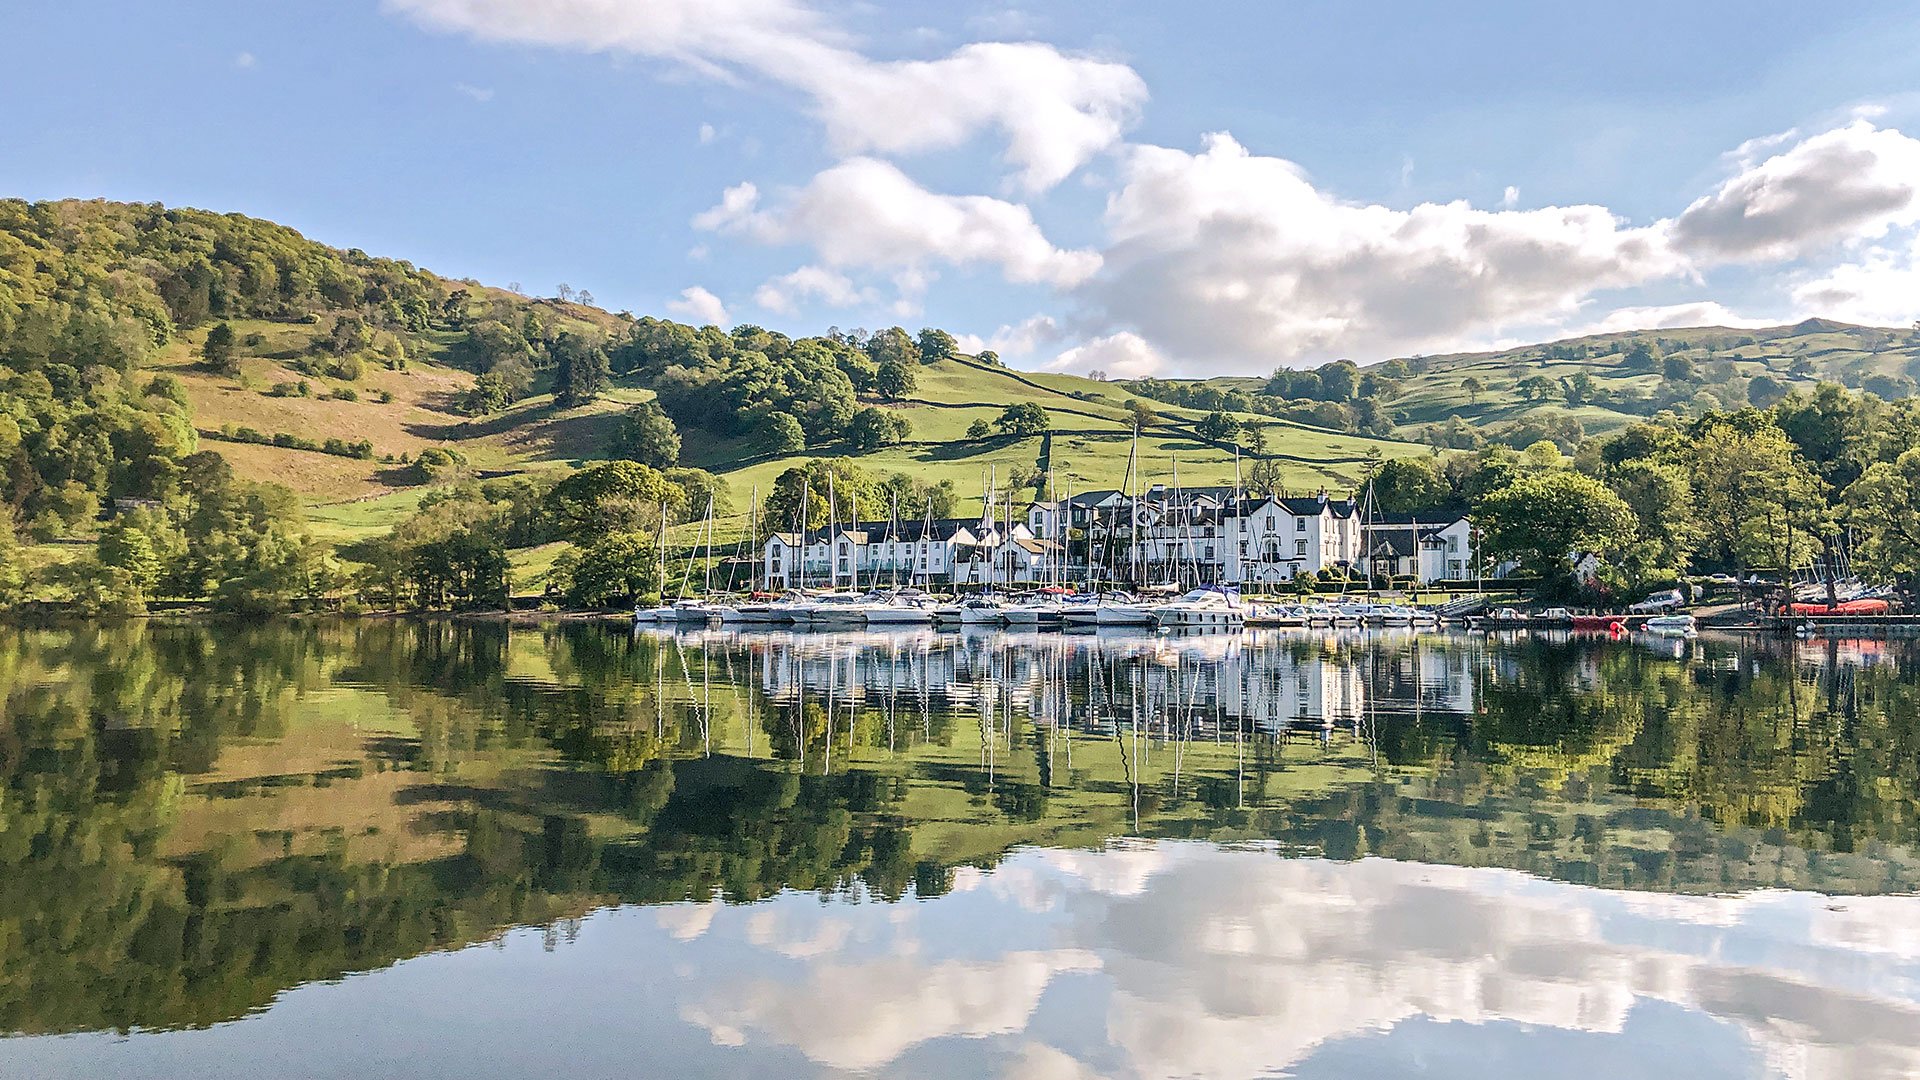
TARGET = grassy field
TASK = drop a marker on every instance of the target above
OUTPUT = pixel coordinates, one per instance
(1799, 356)
(348, 498)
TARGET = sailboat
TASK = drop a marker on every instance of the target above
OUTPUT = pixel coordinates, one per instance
(1118, 609)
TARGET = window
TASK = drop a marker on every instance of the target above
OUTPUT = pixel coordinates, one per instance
(1243, 549)
(1299, 547)
(1209, 552)
(1453, 544)
(1453, 568)
(1299, 524)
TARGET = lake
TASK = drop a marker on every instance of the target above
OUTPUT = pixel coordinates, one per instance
(380, 847)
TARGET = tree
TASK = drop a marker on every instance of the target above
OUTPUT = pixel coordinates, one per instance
(1547, 520)
(1217, 427)
(1026, 418)
(1537, 387)
(1402, 485)
(916, 499)
(1474, 387)
(936, 345)
(1140, 415)
(647, 435)
(1886, 509)
(1579, 388)
(697, 488)
(1666, 528)
(613, 496)
(895, 380)
(1751, 492)
(13, 570)
(617, 569)
(349, 335)
(218, 353)
(1764, 390)
(1640, 357)
(580, 370)
(988, 356)
(1266, 478)
(1676, 369)
(873, 428)
(1254, 438)
(783, 434)
(892, 344)
(979, 429)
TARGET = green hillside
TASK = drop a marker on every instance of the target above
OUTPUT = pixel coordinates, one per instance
(1600, 383)
(338, 345)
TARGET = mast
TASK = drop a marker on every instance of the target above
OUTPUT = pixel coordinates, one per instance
(833, 541)
(806, 504)
(706, 585)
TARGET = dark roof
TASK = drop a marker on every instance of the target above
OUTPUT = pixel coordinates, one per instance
(878, 532)
(1439, 515)
(1088, 498)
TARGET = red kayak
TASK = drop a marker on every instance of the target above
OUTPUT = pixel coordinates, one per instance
(1850, 607)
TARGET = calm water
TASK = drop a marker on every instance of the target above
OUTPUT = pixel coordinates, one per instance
(367, 849)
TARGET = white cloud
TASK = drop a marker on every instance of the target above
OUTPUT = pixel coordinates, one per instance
(1881, 287)
(787, 292)
(707, 134)
(866, 213)
(1226, 259)
(1510, 198)
(1124, 355)
(1053, 110)
(1850, 183)
(1018, 340)
(245, 60)
(701, 306)
(480, 94)
(1666, 316)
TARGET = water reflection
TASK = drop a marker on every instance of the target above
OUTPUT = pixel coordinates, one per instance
(197, 819)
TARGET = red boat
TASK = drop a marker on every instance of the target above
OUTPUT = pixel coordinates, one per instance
(1848, 607)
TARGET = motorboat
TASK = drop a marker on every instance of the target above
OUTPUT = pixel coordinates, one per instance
(978, 610)
(691, 610)
(900, 609)
(1213, 607)
(1674, 625)
(1115, 610)
(1276, 615)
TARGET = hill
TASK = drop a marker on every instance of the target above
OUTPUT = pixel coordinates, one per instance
(320, 349)
(1580, 386)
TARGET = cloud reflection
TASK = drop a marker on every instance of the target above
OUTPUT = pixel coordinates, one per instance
(1218, 963)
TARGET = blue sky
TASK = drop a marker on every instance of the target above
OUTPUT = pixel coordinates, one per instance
(1134, 186)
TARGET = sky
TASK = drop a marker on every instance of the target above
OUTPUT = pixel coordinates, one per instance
(1136, 187)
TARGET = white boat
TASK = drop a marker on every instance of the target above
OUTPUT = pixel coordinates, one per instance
(900, 610)
(1276, 615)
(1318, 614)
(690, 610)
(1215, 607)
(1109, 611)
(1673, 625)
(979, 610)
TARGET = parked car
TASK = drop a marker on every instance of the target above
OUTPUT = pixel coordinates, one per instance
(1555, 615)
(1660, 601)
(1724, 579)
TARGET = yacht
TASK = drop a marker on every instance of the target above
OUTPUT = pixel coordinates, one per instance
(1215, 607)
(1115, 610)
(900, 609)
(976, 610)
